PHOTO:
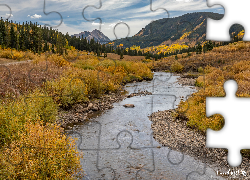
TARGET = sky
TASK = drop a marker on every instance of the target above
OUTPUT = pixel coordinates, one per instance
(114, 18)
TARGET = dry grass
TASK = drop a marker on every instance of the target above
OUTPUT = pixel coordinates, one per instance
(218, 57)
(126, 57)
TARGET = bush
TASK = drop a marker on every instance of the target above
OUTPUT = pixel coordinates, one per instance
(199, 82)
(68, 91)
(177, 67)
(200, 70)
(42, 152)
(14, 113)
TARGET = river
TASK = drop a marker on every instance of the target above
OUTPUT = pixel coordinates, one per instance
(118, 143)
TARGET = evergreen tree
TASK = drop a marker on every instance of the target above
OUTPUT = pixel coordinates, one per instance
(121, 55)
(199, 48)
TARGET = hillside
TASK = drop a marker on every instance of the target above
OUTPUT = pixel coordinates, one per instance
(168, 30)
(96, 34)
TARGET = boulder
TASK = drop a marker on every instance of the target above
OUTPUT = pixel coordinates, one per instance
(90, 106)
(95, 108)
(129, 105)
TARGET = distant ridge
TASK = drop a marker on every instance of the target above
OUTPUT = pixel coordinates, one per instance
(96, 34)
(168, 30)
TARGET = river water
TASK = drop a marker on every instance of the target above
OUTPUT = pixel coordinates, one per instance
(118, 144)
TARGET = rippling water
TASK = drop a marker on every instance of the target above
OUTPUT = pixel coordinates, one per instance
(118, 143)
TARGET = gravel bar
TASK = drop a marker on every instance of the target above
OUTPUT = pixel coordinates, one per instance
(173, 132)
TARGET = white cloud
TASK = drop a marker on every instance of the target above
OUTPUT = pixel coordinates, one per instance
(184, 0)
(9, 15)
(35, 16)
(112, 25)
(136, 14)
(96, 24)
(121, 30)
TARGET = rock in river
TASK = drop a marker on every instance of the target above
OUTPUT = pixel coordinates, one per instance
(129, 105)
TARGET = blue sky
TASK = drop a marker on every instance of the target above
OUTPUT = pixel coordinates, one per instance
(136, 14)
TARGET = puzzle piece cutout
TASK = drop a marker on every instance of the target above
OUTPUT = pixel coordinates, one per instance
(227, 137)
(44, 11)
(218, 30)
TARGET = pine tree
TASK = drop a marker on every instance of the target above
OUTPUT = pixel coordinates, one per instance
(121, 55)
(53, 48)
(198, 49)
(2, 33)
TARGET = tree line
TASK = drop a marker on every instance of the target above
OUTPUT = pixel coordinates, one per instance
(38, 39)
(208, 46)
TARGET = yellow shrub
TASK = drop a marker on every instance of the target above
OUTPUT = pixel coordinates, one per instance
(42, 152)
(33, 107)
(194, 107)
(177, 67)
(68, 91)
(58, 60)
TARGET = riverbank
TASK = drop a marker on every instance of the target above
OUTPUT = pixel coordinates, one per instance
(82, 112)
(178, 136)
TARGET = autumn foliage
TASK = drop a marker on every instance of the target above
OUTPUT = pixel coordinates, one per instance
(32, 145)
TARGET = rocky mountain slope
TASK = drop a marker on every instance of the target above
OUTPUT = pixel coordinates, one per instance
(96, 34)
(191, 27)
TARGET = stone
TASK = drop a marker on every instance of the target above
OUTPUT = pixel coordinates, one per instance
(95, 108)
(129, 105)
(90, 106)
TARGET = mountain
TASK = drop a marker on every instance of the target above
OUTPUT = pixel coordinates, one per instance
(96, 34)
(190, 27)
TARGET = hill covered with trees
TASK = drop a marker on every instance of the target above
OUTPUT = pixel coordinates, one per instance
(168, 30)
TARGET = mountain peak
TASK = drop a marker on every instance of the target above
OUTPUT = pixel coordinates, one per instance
(96, 34)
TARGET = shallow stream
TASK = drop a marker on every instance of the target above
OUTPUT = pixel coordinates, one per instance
(118, 143)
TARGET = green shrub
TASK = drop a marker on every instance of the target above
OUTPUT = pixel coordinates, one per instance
(200, 70)
(84, 66)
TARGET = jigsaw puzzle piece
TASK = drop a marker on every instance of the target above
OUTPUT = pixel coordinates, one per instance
(226, 138)
(61, 18)
(235, 13)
